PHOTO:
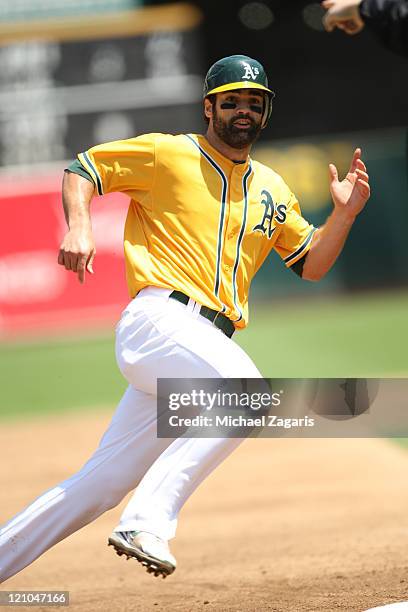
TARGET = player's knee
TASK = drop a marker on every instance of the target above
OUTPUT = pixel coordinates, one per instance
(114, 490)
(109, 499)
(112, 499)
(128, 368)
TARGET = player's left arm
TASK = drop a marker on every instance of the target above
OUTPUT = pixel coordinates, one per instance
(349, 198)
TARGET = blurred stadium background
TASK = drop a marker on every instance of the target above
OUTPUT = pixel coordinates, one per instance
(73, 74)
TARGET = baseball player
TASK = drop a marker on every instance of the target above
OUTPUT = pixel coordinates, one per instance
(202, 218)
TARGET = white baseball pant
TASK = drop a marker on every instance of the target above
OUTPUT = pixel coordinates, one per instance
(157, 337)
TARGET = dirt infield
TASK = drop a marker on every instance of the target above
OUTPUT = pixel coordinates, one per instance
(282, 525)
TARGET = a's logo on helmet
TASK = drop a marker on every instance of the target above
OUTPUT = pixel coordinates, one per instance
(250, 72)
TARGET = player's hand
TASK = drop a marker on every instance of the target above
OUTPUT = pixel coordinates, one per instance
(344, 15)
(351, 194)
(77, 252)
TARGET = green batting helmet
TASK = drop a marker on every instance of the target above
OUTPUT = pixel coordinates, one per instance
(239, 72)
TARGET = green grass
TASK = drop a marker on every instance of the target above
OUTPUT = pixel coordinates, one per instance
(402, 441)
(58, 376)
(358, 336)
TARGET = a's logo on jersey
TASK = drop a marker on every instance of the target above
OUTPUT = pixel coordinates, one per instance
(250, 72)
(281, 213)
(265, 226)
(271, 213)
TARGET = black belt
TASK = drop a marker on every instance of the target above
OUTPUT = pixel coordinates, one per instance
(217, 318)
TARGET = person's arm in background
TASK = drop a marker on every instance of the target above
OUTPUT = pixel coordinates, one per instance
(387, 19)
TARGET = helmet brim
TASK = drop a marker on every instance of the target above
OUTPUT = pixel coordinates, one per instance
(240, 85)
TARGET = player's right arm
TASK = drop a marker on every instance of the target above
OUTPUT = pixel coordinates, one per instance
(126, 166)
(77, 249)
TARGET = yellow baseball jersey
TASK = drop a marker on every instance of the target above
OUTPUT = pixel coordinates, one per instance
(197, 221)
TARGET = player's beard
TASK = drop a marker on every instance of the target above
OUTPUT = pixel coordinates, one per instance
(233, 136)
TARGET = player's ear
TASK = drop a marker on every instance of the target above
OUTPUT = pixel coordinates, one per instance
(208, 107)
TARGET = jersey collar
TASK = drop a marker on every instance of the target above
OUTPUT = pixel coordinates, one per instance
(225, 162)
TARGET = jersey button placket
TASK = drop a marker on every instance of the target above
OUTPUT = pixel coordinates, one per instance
(234, 222)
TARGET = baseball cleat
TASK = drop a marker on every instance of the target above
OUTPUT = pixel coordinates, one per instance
(152, 552)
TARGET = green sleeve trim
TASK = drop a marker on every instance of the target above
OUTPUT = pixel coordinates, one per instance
(77, 168)
(297, 267)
